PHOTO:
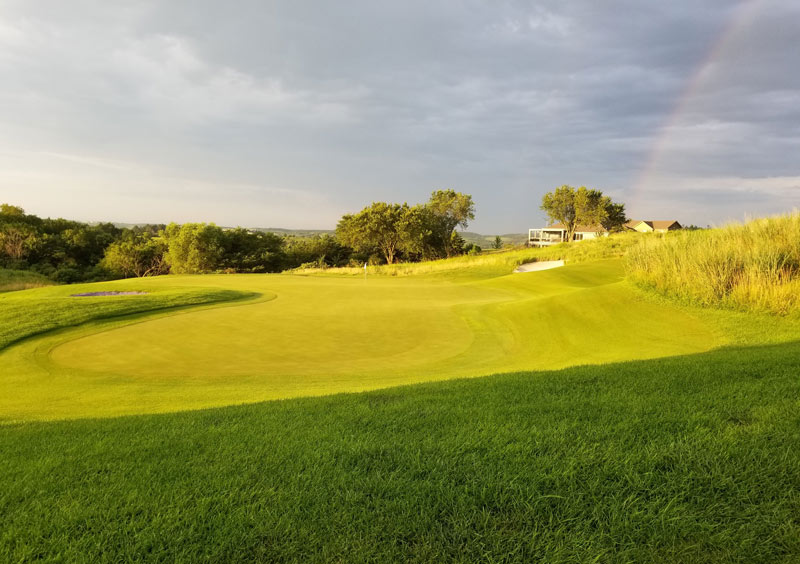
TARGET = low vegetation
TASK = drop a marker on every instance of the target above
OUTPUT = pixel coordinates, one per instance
(755, 266)
(13, 280)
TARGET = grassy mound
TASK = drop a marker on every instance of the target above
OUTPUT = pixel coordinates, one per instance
(13, 280)
(23, 314)
(755, 266)
(686, 459)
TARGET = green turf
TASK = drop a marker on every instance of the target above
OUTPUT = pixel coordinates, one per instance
(685, 459)
(327, 335)
(24, 314)
(625, 428)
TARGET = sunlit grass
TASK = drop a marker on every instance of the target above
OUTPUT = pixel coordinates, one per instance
(668, 435)
(32, 312)
(755, 266)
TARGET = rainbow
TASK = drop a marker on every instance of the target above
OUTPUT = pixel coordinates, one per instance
(741, 18)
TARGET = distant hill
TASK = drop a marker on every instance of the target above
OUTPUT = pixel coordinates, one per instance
(486, 241)
(294, 232)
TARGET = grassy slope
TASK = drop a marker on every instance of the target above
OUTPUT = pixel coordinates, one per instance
(755, 266)
(327, 335)
(23, 314)
(13, 280)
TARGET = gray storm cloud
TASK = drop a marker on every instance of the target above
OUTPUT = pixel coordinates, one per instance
(292, 113)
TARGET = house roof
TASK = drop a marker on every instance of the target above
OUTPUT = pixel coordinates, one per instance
(654, 223)
(579, 228)
(664, 224)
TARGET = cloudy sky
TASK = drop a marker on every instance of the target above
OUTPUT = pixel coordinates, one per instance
(290, 113)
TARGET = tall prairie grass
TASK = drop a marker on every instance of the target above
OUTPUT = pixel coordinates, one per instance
(754, 266)
(13, 280)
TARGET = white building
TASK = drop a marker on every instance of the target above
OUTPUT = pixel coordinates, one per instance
(557, 233)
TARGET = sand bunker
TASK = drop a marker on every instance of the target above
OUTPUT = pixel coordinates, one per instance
(540, 265)
(93, 294)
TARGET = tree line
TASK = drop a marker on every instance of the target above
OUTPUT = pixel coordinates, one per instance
(70, 251)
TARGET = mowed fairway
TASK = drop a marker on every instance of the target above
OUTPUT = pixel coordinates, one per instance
(324, 335)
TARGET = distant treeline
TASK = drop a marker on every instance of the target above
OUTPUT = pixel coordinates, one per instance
(70, 251)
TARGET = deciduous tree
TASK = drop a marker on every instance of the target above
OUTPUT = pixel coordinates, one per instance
(140, 256)
(385, 226)
(193, 248)
(573, 207)
(449, 209)
(615, 217)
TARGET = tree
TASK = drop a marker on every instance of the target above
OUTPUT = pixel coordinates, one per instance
(498, 243)
(193, 248)
(573, 207)
(385, 226)
(11, 211)
(449, 209)
(15, 240)
(249, 251)
(615, 217)
(139, 256)
(322, 250)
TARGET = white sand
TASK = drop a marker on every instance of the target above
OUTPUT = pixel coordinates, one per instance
(541, 265)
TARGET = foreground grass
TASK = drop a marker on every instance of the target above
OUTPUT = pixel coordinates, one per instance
(24, 314)
(13, 280)
(755, 266)
(687, 459)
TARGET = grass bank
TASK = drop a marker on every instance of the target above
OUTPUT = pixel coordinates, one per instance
(32, 312)
(13, 280)
(755, 266)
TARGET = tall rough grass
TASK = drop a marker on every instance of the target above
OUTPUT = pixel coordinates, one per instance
(13, 280)
(755, 266)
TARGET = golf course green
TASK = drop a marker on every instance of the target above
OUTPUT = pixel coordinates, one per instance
(305, 335)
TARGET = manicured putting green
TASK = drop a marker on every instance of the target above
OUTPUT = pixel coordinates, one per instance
(323, 335)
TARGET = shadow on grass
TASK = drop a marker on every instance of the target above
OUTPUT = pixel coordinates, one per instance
(682, 459)
(226, 298)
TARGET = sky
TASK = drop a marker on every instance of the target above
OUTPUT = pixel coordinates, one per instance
(292, 113)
